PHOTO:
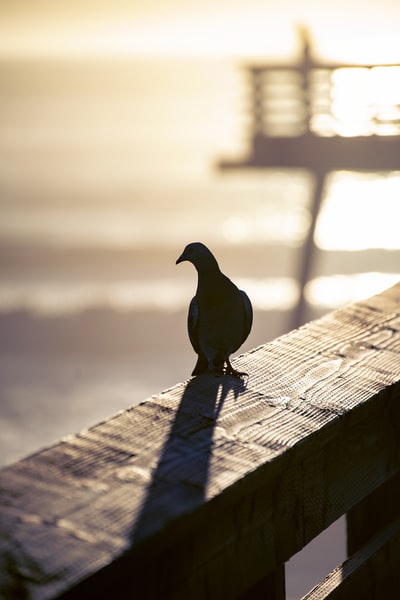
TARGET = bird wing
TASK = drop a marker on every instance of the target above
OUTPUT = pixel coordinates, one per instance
(193, 330)
(247, 315)
(192, 324)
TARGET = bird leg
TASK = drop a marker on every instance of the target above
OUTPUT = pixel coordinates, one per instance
(231, 371)
(216, 370)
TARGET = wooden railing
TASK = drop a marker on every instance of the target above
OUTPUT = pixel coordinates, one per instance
(205, 490)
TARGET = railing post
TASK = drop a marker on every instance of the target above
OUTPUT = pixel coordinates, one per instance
(271, 587)
(370, 516)
(299, 315)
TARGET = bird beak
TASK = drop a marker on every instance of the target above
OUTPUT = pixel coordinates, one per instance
(180, 259)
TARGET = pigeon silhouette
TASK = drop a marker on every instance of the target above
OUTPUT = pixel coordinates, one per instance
(220, 315)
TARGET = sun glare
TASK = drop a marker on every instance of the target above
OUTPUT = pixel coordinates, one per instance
(290, 226)
(357, 101)
(339, 290)
(360, 212)
(58, 298)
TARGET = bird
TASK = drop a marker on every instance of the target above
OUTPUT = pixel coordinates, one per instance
(220, 315)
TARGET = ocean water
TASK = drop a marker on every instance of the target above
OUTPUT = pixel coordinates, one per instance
(90, 328)
(106, 171)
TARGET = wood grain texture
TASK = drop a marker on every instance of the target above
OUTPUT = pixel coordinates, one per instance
(203, 490)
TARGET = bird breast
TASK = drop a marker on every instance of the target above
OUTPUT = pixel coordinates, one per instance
(220, 321)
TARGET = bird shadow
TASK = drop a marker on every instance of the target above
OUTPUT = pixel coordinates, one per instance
(180, 479)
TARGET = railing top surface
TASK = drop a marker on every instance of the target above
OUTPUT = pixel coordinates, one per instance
(153, 469)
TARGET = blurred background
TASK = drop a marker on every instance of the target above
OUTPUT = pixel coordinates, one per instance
(113, 120)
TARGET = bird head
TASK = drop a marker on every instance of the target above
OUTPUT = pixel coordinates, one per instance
(199, 255)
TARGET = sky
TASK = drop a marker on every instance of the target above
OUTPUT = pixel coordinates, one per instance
(359, 30)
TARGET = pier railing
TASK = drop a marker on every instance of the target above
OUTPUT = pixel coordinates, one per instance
(295, 120)
(207, 489)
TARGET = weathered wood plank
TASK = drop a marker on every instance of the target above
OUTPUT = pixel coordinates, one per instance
(214, 483)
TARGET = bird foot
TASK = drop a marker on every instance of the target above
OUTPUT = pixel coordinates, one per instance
(231, 371)
(237, 374)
